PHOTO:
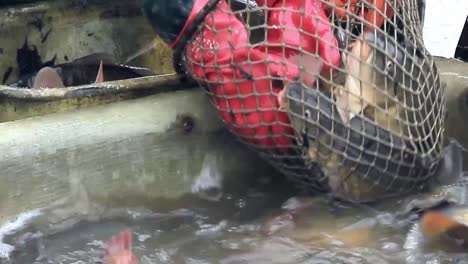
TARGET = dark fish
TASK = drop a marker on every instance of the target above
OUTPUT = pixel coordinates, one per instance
(375, 73)
(253, 16)
(421, 12)
(396, 85)
(314, 116)
(414, 82)
(362, 160)
(84, 70)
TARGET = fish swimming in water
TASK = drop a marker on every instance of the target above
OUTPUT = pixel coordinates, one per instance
(436, 224)
(85, 70)
(119, 249)
(444, 229)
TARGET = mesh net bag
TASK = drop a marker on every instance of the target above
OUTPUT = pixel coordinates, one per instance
(341, 96)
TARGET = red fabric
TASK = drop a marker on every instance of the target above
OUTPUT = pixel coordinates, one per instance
(221, 57)
(289, 19)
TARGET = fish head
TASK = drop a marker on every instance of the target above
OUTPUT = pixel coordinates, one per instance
(343, 36)
(310, 111)
(390, 57)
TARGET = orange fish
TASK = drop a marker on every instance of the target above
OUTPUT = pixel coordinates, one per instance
(119, 249)
(435, 224)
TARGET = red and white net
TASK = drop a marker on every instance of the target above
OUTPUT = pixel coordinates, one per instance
(339, 95)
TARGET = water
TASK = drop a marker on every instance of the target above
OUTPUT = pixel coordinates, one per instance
(208, 231)
(234, 229)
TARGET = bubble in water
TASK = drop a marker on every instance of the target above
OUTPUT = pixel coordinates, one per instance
(211, 230)
(10, 227)
(143, 238)
(241, 203)
(208, 184)
(391, 247)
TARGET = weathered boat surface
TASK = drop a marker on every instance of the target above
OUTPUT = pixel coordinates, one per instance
(44, 33)
(130, 153)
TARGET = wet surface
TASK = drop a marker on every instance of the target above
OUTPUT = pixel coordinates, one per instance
(232, 229)
(206, 231)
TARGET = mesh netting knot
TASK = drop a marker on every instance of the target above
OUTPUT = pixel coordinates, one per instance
(340, 96)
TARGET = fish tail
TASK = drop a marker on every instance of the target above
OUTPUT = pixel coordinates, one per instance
(118, 249)
(100, 74)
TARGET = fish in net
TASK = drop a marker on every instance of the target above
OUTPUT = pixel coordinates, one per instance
(339, 95)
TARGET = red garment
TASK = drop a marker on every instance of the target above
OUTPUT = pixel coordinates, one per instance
(317, 36)
(240, 76)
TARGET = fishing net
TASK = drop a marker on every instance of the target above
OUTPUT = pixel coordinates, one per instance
(340, 96)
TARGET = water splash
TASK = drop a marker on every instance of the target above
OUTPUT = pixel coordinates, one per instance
(13, 226)
(208, 184)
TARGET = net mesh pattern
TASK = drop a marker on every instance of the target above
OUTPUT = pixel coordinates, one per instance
(339, 95)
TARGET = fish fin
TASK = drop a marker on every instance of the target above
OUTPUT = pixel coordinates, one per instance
(100, 74)
(119, 249)
(434, 224)
(282, 100)
(119, 243)
(450, 168)
(96, 58)
(47, 78)
(366, 52)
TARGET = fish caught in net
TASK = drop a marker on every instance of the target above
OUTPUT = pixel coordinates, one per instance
(339, 95)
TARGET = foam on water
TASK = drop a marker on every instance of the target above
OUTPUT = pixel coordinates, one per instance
(12, 226)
